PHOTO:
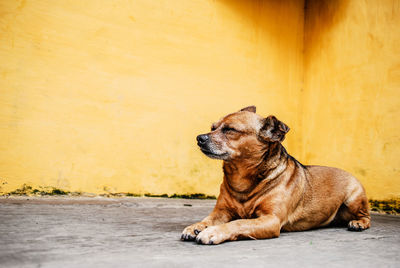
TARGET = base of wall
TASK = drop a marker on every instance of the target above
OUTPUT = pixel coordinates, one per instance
(27, 190)
(388, 206)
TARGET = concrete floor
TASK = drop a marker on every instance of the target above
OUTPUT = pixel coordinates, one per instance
(142, 232)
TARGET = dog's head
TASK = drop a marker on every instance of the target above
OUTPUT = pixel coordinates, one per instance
(241, 135)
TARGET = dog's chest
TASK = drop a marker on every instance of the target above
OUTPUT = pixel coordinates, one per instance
(245, 210)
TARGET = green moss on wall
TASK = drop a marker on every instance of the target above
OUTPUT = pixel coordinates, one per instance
(29, 190)
(389, 206)
(46, 191)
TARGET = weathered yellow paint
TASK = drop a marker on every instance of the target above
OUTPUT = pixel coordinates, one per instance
(351, 102)
(108, 96)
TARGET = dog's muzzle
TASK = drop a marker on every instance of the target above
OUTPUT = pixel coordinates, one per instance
(202, 139)
(208, 148)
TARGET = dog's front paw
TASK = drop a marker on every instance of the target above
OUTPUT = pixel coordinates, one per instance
(190, 232)
(212, 236)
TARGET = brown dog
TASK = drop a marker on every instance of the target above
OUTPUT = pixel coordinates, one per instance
(265, 190)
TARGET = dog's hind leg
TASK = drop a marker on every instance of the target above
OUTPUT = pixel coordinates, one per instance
(356, 210)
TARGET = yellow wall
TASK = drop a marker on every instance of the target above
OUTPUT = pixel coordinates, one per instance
(109, 95)
(351, 102)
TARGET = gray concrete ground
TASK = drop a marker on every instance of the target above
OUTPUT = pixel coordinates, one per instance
(145, 232)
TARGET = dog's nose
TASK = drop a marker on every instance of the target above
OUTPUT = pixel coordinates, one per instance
(202, 139)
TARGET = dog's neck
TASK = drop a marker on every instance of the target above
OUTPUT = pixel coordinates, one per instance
(243, 175)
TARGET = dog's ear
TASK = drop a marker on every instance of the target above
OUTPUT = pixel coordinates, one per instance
(273, 129)
(249, 109)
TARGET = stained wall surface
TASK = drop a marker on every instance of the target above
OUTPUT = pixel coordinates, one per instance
(351, 103)
(108, 96)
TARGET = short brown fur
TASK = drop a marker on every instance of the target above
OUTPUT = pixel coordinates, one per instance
(265, 190)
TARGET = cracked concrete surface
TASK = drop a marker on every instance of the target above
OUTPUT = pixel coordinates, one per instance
(145, 232)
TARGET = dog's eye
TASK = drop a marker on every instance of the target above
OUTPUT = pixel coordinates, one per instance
(213, 128)
(228, 129)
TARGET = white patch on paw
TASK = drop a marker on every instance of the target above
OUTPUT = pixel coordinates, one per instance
(210, 236)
